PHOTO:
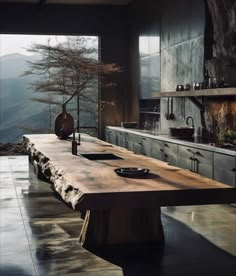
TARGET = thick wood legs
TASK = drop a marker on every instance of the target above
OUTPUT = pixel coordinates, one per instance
(122, 226)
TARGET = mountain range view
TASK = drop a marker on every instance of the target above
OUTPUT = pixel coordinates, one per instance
(17, 110)
(19, 114)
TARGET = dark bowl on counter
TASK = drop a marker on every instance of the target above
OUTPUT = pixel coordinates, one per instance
(181, 132)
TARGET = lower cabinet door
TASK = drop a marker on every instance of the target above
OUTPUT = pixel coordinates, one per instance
(170, 153)
(129, 141)
(185, 158)
(225, 169)
(110, 135)
(121, 139)
(203, 162)
(196, 160)
(157, 150)
(146, 146)
(142, 145)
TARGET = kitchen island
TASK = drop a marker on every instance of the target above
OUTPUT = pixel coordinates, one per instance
(119, 210)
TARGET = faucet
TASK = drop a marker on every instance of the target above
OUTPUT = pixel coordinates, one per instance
(74, 142)
(190, 117)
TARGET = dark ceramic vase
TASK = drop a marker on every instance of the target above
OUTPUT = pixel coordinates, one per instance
(64, 124)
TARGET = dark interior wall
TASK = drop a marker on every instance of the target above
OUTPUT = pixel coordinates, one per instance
(145, 21)
(108, 22)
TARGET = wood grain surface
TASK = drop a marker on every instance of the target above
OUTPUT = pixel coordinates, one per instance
(94, 185)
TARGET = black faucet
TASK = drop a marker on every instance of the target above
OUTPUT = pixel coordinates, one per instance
(189, 117)
(75, 143)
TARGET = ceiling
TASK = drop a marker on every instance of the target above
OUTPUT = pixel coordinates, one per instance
(70, 2)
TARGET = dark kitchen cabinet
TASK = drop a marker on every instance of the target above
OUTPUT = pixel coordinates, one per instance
(164, 151)
(142, 145)
(218, 166)
(196, 160)
(170, 153)
(146, 146)
(136, 143)
(121, 139)
(129, 141)
(157, 149)
(110, 135)
(225, 169)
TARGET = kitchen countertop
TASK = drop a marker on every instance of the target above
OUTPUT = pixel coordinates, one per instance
(197, 142)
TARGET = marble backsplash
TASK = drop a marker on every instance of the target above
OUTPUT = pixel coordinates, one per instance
(220, 116)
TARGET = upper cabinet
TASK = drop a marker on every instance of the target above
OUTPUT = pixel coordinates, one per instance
(149, 64)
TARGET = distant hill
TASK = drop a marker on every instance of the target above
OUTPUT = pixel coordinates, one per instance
(14, 65)
(16, 107)
(17, 110)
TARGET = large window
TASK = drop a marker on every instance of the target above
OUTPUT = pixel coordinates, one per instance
(20, 114)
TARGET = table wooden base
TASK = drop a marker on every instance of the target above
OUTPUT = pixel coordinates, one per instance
(122, 226)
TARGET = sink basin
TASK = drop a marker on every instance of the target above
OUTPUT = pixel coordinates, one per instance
(181, 132)
(101, 156)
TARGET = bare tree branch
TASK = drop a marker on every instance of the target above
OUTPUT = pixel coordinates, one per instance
(69, 69)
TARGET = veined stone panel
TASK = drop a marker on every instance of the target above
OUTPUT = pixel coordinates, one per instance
(197, 18)
(176, 22)
(220, 116)
(175, 66)
(197, 60)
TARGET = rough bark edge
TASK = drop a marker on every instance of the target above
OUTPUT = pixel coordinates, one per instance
(46, 171)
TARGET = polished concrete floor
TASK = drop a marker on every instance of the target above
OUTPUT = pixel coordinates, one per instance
(39, 236)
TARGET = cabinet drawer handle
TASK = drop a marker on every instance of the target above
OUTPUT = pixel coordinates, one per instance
(198, 153)
(161, 150)
(144, 139)
(234, 169)
(166, 145)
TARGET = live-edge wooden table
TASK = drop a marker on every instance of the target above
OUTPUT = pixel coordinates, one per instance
(119, 210)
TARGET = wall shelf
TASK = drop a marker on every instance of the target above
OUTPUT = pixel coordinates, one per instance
(150, 112)
(231, 91)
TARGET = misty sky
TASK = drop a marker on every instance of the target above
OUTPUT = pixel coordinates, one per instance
(10, 44)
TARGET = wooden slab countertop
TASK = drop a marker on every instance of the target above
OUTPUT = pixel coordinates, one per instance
(94, 184)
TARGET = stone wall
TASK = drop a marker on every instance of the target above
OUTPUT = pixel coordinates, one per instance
(222, 62)
(197, 36)
(182, 55)
(220, 116)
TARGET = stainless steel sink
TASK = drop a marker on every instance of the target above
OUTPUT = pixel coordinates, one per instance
(101, 156)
